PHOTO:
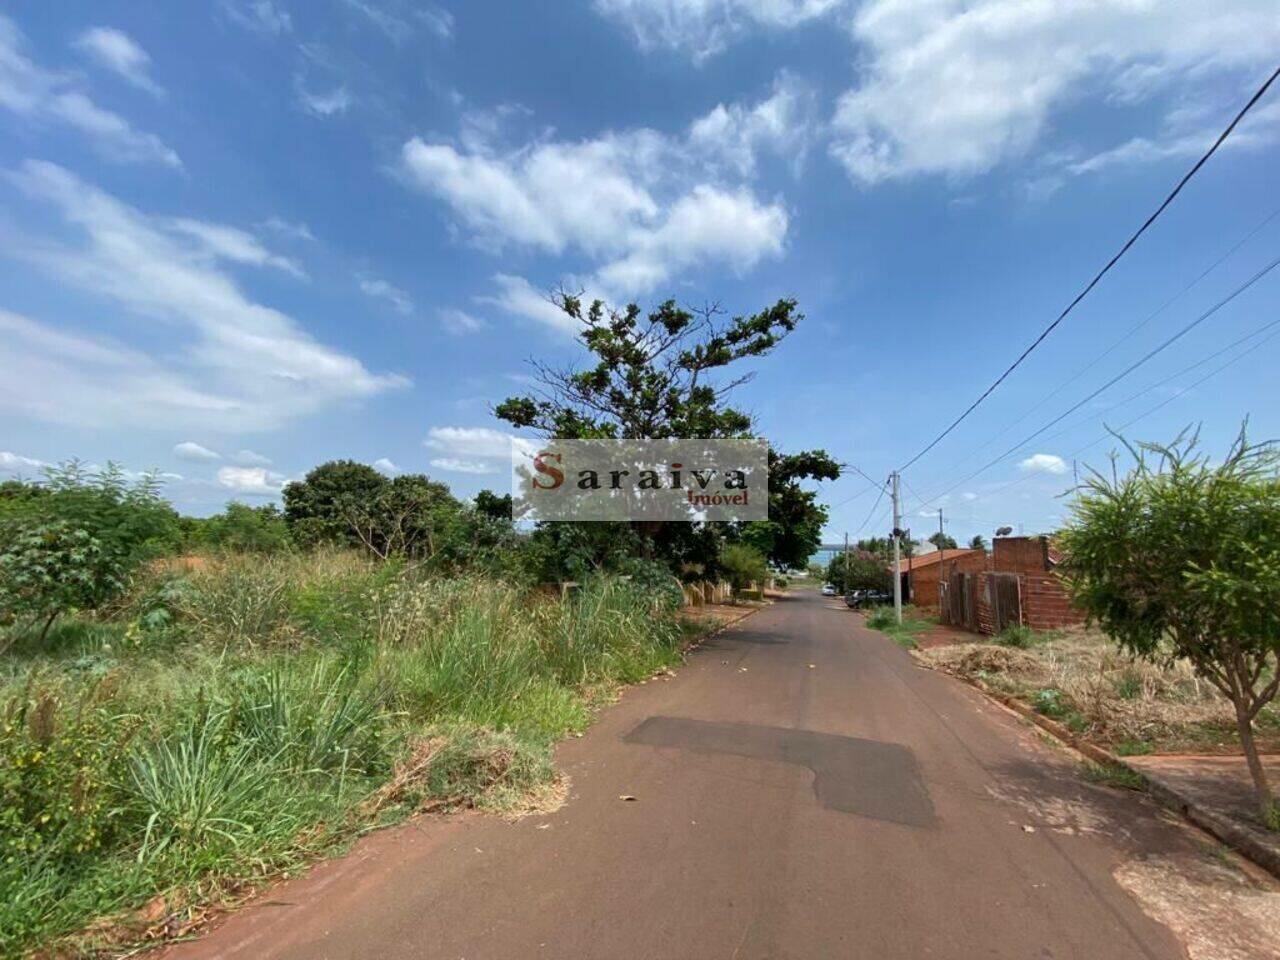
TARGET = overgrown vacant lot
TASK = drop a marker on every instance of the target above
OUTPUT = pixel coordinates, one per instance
(1078, 677)
(224, 724)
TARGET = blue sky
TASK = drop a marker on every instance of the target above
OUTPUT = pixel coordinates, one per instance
(243, 237)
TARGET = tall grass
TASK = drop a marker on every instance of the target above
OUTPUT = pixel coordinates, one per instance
(255, 711)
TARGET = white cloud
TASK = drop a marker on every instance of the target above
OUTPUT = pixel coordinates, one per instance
(1183, 137)
(707, 224)
(53, 376)
(399, 21)
(455, 465)
(295, 231)
(190, 450)
(259, 16)
(230, 243)
(639, 204)
(705, 27)
(15, 463)
(1043, 463)
(519, 297)
(112, 135)
(251, 481)
(40, 96)
(381, 290)
(736, 133)
(459, 321)
(474, 444)
(438, 20)
(958, 86)
(248, 458)
(118, 52)
(245, 365)
(323, 104)
(384, 465)
(550, 196)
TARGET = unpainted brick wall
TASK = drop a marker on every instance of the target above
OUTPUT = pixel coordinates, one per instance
(1045, 604)
(1019, 555)
(924, 581)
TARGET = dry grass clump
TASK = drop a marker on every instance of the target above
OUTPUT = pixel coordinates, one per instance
(1078, 676)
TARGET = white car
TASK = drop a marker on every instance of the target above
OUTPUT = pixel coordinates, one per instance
(828, 590)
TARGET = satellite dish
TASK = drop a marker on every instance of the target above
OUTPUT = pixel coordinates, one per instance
(1004, 531)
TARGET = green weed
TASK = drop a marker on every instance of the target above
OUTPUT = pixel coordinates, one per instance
(1113, 775)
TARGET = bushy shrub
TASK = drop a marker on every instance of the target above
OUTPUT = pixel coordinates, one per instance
(244, 529)
(72, 541)
(743, 565)
(59, 766)
(1020, 636)
(48, 568)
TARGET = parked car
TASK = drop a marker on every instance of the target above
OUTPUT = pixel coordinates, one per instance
(828, 590)
(858, 599)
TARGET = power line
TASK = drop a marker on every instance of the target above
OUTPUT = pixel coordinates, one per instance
(1174, 376)
(1163, 403)
(870, 513)
(1104, 271)
(1124, 338)
(1187, 328)
(863, 475)
(872, 485)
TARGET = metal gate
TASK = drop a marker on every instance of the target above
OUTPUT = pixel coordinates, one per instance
(1004, 596)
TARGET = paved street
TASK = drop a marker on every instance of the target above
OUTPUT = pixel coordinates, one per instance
(801, 790)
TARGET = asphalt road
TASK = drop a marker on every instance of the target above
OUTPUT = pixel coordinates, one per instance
(801, 789)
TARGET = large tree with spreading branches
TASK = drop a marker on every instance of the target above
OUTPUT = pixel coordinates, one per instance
(661, 375)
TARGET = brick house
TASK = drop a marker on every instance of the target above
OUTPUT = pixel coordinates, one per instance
(921, 574)
(1019, 585)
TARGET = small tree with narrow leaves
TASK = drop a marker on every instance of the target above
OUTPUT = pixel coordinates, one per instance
(1180, 558)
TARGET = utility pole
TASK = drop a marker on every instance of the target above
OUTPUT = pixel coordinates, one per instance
(844, 573)
(897, 555)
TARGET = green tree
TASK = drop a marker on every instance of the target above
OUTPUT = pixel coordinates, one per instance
(793, 531)
(490, 504)
(245, 529)
(411, 516)
(862, 570)
(743, 565)
(319, 507)
(979, 542)
(883, 547)
(655, 376)
(944, 541)
(650, 376)
(1180, 558)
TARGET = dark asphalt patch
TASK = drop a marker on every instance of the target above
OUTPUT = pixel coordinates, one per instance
(869, 778)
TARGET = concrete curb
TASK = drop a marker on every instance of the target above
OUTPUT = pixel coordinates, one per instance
(1236, 837)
